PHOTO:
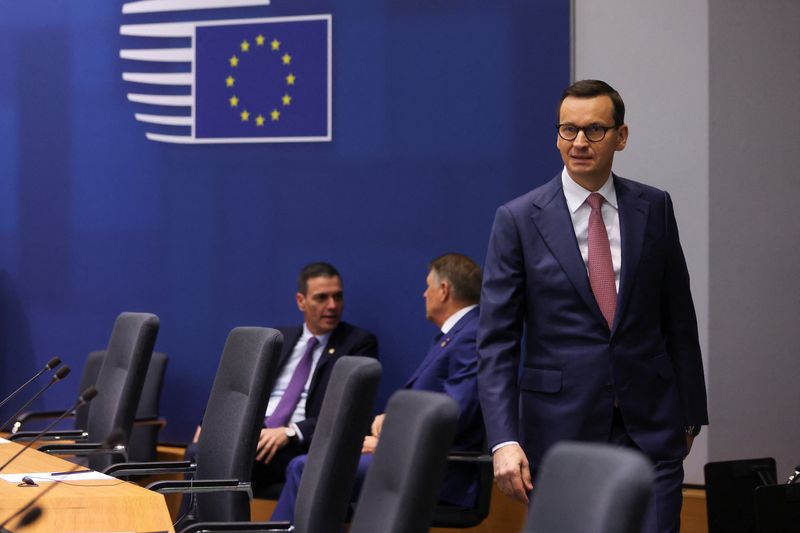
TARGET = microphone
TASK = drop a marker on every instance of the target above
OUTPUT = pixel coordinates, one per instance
(114, 438)
(51, 364)
(83, 399)
(793, 477)
(60, 374)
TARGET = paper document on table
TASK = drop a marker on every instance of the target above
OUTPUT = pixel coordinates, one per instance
(79, 475)
(4, 441)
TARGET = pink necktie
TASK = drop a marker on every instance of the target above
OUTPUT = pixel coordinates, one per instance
(601, 270)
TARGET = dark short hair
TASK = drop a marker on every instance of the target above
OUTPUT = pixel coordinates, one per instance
(315, 270)
(590, 89)
(463, 274)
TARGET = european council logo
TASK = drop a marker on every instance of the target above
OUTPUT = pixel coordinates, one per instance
(249, 80)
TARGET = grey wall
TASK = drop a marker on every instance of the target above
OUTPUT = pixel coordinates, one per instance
(712, 93)
(754, 69)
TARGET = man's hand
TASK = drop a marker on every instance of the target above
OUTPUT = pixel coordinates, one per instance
(370, 443)
(269, 442)
(377, 424)
(689, 442)
(512, 472)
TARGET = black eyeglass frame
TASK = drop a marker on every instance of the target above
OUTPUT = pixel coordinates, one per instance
(583, 129)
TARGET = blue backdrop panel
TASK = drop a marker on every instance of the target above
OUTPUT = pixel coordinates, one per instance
(441, 111)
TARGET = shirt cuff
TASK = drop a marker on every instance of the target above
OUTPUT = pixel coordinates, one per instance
(297, 431)
(504, 443)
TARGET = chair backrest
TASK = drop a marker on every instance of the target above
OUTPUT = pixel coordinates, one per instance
(402, 483)
(590, 488)
(91, 369)
(327, 484)
(119, 383)
(144, 438)
(729, 492)
(233, 418)
(777, 508)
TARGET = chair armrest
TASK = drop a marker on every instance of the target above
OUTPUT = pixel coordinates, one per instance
(469, 457)
(151, 421)
(27, 416)
(82, 448)
(150, 468)
(201, 527)
(67, 434)
(194, 486)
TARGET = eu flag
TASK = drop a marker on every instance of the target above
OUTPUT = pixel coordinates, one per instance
(268, 79)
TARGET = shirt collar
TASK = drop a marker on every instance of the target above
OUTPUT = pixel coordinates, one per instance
(323, 339)
(577, 195)
(453, 319)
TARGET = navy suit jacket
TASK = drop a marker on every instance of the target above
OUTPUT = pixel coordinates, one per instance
(451, 367)
(573, 365)
(346, 339)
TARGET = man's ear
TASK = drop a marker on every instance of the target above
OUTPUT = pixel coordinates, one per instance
(446, 290)
(622, 138)
(300, 298)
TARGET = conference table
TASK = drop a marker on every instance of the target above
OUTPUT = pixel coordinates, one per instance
(77, 504)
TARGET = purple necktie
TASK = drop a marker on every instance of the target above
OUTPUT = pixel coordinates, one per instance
(601, 270)
(291, 396)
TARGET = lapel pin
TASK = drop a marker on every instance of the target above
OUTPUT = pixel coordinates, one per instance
(331, 350)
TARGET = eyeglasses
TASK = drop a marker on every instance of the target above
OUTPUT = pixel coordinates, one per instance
(593, 132)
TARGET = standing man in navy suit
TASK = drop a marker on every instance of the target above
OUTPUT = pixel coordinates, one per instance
(589, 270)
(450, 367)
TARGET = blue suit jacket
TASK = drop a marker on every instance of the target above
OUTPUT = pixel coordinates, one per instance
(451, 367)
(346, 339)
(573, 365)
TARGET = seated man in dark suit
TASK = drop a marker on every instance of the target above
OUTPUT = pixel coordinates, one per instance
(451, 302)
(309, 351)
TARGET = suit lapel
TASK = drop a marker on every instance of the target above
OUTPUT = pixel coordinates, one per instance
(552, 219)
(633, 212)
(292, 335)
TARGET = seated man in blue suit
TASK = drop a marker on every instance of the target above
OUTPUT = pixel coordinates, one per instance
(451, 302)
(309, 351)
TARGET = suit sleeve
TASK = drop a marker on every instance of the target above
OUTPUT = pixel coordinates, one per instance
(460, 384)
(680, 327)
(500, 330)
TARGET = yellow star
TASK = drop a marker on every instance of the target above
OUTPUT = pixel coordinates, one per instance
(260, 40)
(245, 115)
(245, 46)
(290, 79)
(234, 61)
(259, 120)
(286, 99)
(275, 115)
(276, 44)
(229, 81)
(287, 59)
(234, 101)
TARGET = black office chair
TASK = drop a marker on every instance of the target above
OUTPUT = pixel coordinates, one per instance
(327, 483)
(777, 509)
(590, 488)
(119, 384)
(454, 517)
(231, 426)
(403, 481)
(730, 487)
(143, 441)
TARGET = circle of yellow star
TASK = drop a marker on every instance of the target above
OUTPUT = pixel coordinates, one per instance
(260, 120)
(276, 44)
(234, 101)
(234, 61)
(287, 59)
(245, 46)
(245, 115)
(259, 40)
(229, 81)
(286, 99)
(290, 79)
(275, 115)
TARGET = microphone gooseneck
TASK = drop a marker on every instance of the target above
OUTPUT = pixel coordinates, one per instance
(60, 374)
(52, 363)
